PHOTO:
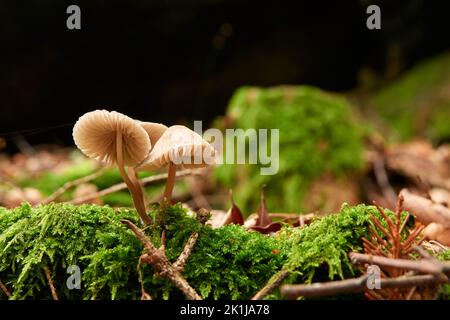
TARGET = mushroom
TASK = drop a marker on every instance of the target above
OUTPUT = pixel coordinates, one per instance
(114, 138)
(180, 148)
(154, 130)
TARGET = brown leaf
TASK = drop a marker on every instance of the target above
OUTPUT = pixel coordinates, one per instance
(263, 215)
(267, 229)
(234, 215)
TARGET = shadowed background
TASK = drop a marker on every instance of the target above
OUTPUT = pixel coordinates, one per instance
(175, 61)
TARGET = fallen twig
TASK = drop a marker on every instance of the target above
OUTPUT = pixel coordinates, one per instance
(273, 283)
(163, 267)
(355, 285)
(430, 266)
(50, 282)
(5, 289)
(182, 259)
(72, 184)
(122, 186)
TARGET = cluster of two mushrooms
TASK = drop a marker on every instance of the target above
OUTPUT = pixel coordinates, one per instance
(132, 145)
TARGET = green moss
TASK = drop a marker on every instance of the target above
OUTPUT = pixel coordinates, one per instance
(226, 263)
(445, 292)
(418, 103)
(318, 134)
(327, 242)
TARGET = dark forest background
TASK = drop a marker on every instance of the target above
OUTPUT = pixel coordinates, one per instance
(175, 61)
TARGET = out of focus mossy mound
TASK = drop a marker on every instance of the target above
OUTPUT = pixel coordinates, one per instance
(418, 103)
(227, 263)
(319, 134)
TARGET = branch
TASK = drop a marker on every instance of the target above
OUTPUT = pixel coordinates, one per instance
(122, 186)
(182, 259)
(5, 289)
(355, 285)
(50, 282)
(294, 291)
(273, 283)
(73, 183)
(158, 260)
(434, 267)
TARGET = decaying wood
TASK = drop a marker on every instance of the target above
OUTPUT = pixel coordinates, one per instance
(50, 283)
(273, 284)
(163, 267)
(425, 210)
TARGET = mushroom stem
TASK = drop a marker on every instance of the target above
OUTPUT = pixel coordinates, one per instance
(137, 196)
(170, 182)
(138, 186)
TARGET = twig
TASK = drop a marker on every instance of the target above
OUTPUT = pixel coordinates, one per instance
(50, 282)
(72, 184)
(425, 266)
(182, 259)
(5, 289)
(122, 186)
(163, 267)
(273, 283)
(355, 285)
(144, 294)
(324, 288)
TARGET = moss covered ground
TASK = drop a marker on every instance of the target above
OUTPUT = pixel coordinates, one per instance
(227, 263)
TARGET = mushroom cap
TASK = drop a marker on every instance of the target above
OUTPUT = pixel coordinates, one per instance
(154, 130)
(95, 135)
(181, 146)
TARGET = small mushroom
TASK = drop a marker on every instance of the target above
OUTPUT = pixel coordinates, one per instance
(114, 138)
(154, 130)
(179, 148)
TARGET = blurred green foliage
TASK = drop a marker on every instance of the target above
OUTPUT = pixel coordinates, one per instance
(49, 181)
(418, 103)
(319, 134)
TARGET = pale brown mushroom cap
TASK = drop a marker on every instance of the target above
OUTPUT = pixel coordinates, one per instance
(182, 146)
(95, 135)
(154, 130)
